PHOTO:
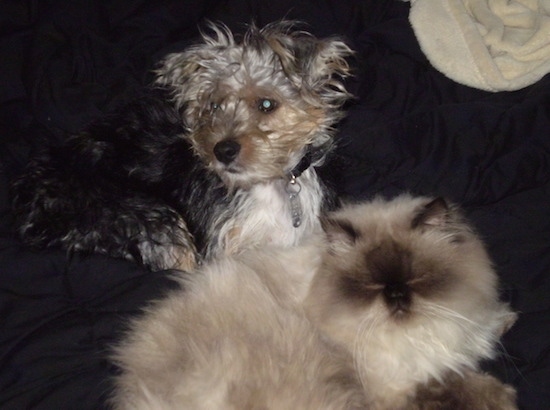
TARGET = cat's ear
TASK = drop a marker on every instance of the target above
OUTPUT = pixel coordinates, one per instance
(435, 213)
(340, 233)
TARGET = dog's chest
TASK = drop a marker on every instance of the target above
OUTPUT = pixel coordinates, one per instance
(273, 214)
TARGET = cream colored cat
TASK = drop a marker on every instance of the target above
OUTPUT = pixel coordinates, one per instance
(408, 288)
(235, 337)
(404, 294)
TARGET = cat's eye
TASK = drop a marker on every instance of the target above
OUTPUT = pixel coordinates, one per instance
(266, 105)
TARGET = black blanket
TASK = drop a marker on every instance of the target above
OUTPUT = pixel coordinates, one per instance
(64, 63)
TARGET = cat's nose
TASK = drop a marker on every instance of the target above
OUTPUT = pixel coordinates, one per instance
(226, 151)
(394, 291)
(397, 297)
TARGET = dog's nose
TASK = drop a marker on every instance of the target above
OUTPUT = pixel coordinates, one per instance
(226, 151)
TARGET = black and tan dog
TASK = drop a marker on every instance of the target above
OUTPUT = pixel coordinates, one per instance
(219, 155)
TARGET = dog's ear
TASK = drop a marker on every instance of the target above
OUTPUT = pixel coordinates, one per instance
(318, 61)
(316, 65)
(184, 72)
(177, 68)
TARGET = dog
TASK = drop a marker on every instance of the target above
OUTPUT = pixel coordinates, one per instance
(217, 156)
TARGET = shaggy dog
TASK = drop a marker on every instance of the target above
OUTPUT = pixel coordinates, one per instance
(217, 157)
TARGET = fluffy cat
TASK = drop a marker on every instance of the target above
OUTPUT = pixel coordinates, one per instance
(235, 336)
(403, 293)
(409, 289)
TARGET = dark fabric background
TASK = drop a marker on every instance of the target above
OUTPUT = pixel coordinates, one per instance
(410, 129)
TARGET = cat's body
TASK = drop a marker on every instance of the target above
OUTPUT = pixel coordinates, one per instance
(392, 309)
(409, 289)
(235, 337)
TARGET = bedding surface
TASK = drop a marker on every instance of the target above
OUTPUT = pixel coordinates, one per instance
(410, 128)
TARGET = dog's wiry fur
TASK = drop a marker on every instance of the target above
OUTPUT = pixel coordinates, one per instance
(235, 337)
(109, 190)
(203, 160)
(222, 84)
(254, 110)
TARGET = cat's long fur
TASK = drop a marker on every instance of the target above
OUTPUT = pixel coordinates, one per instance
(409, 288)
(235, 337)
(403, 291)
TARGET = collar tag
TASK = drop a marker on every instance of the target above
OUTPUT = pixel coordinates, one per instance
(293, 189)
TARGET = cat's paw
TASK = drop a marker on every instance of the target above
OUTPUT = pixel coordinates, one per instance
(471, 390)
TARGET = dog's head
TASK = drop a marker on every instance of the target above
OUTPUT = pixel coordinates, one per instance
(255, 106)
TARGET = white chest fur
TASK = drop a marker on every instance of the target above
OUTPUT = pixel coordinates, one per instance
(263, 215)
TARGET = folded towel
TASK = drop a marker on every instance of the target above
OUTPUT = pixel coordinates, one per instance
(493, 45)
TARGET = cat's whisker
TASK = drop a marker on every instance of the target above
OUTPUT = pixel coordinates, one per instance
(364, 332)
(446, 313)
(417, 304)
(469, 329)
(508, 359)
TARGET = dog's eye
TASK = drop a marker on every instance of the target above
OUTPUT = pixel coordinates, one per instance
(266, 105)
(215, 106)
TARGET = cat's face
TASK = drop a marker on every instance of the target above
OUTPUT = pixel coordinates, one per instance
(407, 269)
(397, 254)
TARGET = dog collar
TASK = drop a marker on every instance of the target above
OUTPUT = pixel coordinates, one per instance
(304, 164)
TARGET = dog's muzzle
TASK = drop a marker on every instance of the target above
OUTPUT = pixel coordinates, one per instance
(227, 151)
